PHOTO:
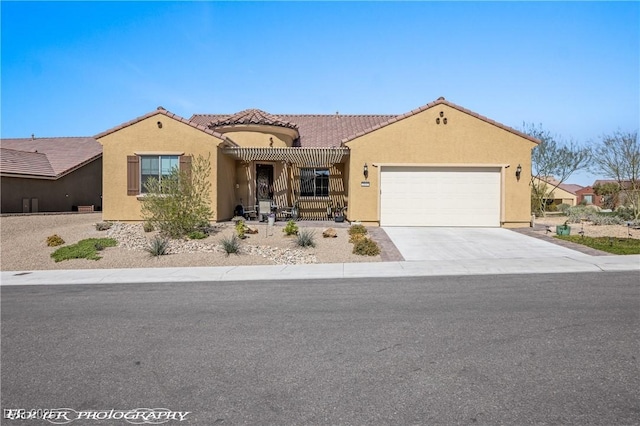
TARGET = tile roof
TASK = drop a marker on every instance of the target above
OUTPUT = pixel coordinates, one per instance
(163, 111)
(63, 155)
(441, 101)
(569, 187)
(335, 129)
(316, 130)
(23, 162)
(252, 116)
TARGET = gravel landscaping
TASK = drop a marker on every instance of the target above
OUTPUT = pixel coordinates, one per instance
(24, 245)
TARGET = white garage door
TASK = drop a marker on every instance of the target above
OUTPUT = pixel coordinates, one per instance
(442, 196)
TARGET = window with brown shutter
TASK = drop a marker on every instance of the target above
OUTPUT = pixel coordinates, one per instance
(133, 175)
(185, 165)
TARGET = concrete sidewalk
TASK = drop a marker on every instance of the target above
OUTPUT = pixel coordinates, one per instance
(578, 263)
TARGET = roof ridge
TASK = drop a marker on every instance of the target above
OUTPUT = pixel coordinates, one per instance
(441, 101)
(48, 137)
(161, 110)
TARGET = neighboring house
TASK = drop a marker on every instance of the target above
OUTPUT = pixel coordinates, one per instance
(588, 196)
(619, 199)
(50, 174)
(559, 193)
(438, 165)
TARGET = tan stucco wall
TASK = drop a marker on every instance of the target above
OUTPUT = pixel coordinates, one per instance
(419, 140)
(260, 138)
(145, 137)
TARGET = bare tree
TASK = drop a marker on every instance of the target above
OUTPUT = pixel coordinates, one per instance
(618, 157)
(555, 158)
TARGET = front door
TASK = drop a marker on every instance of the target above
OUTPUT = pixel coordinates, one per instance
(264, 182)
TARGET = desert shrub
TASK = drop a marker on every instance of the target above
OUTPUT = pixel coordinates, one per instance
(147, 227)
(180, 202)
(241, 228)
(306, 238)
(291, 228)
(356, 237)
(103, 226)
(157, 246)
(230, 244)
(357, 229)
(197, 235)
(366, 247)
(577, 213)
(605, 219)
(625, 213)
(55, 240)
(563, 208)
(551, 208)
(85, 249)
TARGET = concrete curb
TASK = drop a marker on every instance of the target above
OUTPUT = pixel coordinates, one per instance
(324, 271)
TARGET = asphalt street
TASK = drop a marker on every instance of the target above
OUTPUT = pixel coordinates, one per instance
(502, 349)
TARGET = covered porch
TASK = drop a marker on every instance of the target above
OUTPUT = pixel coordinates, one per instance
(292, 182)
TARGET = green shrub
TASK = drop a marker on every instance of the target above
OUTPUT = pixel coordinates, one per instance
(157, 246)
(625, 213)
(147, 227)
(241, 228)
(103, 226)
(180, 202)
(306, 238)
(85, 249)
(231, 244)
(366, 247)
(563, 208)
(197, 235)
(291, 228)
(55, 240)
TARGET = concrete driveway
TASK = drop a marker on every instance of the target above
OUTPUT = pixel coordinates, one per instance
(471, 243)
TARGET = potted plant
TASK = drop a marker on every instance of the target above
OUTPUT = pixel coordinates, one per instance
(563, 229)
(339, 214)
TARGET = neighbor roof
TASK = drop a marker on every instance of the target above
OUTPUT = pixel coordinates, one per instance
(569, 187)
(47, 157)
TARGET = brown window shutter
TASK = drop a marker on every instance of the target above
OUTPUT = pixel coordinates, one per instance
(133, 175)
(185, 165)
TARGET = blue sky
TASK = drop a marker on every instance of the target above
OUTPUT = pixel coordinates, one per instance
(79, 68)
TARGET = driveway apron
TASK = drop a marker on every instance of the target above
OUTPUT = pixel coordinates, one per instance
(430, 243)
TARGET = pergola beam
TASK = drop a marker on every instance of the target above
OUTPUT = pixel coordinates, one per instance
(302, 157)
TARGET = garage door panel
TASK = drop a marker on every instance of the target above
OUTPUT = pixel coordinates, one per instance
(420, 196)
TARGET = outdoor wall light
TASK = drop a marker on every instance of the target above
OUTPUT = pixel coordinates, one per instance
(365, 171)
(518, 171)
(159, 124)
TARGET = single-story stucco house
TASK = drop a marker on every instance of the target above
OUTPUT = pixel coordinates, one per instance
(50, 174)
(559, 193)
(438, 165)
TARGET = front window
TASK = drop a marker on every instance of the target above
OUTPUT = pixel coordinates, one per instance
(588, 199)
(314, 182)
(156, 166)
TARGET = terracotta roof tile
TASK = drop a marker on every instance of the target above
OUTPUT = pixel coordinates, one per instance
(326, 130)
(315, 130)
(251, 116)
(25, 163)
(63, 154)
